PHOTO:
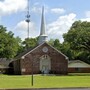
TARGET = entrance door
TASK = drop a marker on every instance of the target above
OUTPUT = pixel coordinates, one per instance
(45, 64)
(45, 69)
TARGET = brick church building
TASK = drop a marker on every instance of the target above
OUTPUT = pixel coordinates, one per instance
(42, 59)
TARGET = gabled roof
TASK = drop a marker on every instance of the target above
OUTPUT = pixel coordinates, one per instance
(58, 51)
(78, 64)
(24, 52)
(29, 51)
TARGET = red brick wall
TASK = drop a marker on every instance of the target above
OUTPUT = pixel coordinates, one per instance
(79, 70)
(58, 62)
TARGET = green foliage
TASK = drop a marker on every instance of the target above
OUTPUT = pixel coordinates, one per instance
(29, 43)
(8, 44)
(78, 37)
(20, 48)
(11, 46)
(67, 51)
(55, 43)
(51, 42)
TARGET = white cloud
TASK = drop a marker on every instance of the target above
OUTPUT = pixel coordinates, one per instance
(21, 30)
(86, 19)
(60, 26)
(87, 13)
(58, 10)
(12, 6)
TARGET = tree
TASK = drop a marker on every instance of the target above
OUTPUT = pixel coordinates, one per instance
(51, 42)
(79, 35)
(55, 43)
(79, 38)
(65, 48)
(8, 44)
(20, 46)
(29, 43)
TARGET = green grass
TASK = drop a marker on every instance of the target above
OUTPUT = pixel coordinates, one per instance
(72, 80)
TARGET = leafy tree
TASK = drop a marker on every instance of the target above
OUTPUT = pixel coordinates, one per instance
(29, 43)
(21, 47)
(8, 44)
(65, 48)
(79, 39)
(55, 43)
(51, 42)
(79, 36)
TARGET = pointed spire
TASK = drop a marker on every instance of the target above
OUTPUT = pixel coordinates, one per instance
(42, 23)
(42, 36)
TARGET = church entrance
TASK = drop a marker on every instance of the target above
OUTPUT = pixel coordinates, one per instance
(45, 64)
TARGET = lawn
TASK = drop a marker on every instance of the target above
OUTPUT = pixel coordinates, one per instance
(24, 81)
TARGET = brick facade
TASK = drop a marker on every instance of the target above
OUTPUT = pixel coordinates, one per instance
(31, 60)
(78, 70)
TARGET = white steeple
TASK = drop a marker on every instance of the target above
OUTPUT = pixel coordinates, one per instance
(42, 36)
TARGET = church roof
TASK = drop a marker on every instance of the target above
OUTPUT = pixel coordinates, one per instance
(31, 50)
(24, 52)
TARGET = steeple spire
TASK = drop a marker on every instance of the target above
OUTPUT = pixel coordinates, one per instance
(42, 36)
(42, 23)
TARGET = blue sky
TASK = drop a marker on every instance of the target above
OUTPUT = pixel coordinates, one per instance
(59, 16)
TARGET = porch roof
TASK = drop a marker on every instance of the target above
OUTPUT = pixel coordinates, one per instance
(78, 64)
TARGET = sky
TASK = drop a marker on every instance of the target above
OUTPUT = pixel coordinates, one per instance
(59, 16)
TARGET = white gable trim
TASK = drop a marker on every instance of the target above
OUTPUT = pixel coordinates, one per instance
(40, 46)
(32, 50)
(59, 52)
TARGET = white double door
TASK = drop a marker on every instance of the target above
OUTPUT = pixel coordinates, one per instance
(45, 64)
(45, 69)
